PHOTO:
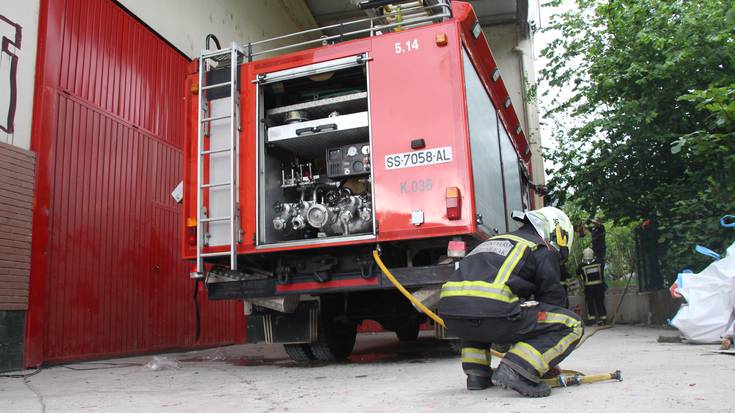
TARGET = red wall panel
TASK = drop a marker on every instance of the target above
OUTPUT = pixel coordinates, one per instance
(107, 276)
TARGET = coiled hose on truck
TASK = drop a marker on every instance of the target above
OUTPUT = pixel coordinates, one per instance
(566, 378)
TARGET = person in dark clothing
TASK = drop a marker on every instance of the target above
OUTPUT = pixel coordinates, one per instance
(507, 291)
(567, 281)
(597, 233)
(592, 272)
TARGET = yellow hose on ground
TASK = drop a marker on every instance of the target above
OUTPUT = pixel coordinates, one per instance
(566, 378)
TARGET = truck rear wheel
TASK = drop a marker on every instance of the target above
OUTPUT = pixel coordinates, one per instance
(299, 352)
(335, 342)
(409, 332)
(455, 346)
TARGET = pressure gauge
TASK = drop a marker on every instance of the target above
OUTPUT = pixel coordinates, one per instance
(352, 151)
(365, 150)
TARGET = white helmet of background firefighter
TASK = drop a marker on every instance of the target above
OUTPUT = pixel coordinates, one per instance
(588, 255)
(553, 225)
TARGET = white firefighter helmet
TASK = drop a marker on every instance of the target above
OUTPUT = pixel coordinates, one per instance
(588, 255)
(552, 224)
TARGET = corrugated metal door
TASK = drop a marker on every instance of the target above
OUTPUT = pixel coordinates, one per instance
(107, 276)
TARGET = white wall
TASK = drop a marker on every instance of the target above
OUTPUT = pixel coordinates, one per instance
(514, 57)
(18, 24)
(185, 23)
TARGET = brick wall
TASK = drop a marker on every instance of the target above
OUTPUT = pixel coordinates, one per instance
(16, 206)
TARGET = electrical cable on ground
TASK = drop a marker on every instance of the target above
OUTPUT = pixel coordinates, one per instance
(27, 383)
(566, 378)
(39, 397)
(102, 366)
(21, 376)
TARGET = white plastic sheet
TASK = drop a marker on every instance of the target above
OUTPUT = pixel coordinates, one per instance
(710, 297)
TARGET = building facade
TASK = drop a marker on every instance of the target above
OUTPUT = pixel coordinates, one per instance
(91, 147)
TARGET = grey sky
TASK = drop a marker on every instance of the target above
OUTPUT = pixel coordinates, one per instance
(541, 39)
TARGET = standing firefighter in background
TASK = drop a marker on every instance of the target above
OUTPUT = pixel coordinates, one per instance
(592, 272)
(597, 235)
(488, 300)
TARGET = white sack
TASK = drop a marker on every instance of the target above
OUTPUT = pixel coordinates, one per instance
(710, 297)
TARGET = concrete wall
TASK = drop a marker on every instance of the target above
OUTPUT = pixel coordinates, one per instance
(514, 55)
(19, 31)
(636, 308)
(185, 23)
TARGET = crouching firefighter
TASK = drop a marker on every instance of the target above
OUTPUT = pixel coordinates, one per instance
(507, 291)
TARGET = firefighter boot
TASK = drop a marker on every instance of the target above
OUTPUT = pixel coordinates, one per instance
(478, 382)
(508, 378)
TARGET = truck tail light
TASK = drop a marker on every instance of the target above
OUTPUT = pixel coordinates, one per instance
(456, 249)
(454, 203)
(191, 231)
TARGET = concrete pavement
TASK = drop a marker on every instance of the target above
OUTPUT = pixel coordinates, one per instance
(383, 375)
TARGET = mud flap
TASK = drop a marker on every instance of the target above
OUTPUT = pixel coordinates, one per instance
(273, 327)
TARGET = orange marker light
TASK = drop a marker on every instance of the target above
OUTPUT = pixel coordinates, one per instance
(441, 39)
(191, 231)
(454, 203)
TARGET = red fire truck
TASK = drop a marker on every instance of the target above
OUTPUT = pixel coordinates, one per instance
(306, 152)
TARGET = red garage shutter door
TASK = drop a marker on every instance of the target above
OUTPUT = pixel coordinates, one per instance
(107, 276)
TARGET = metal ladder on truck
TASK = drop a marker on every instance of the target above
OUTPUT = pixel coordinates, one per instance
(219, 58)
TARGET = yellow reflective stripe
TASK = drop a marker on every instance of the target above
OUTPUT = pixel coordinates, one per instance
(530, 244)
(530, 355)
(593, 282)
(504, 296)
(497, 290)
(475, 355)
(510, 263)
(481, 289)
(468, 283)
(562, 345)
(558, 318)
(565, 342)
(473, 350)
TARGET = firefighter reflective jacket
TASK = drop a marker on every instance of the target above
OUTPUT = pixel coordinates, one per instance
(591, 273)
(498, 274)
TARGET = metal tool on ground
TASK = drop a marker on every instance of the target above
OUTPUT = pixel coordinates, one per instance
(575, 378)
(566, 378)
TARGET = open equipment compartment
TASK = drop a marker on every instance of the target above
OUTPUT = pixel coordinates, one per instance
(314, 154)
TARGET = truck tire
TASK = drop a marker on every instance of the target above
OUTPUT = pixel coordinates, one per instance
(455, 346)
(408, 332)
(335, 341)
(299, 352)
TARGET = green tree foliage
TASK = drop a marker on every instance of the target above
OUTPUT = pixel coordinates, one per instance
(646, 125)
(620, 260)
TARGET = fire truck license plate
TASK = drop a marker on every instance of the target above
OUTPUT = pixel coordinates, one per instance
(418, 158)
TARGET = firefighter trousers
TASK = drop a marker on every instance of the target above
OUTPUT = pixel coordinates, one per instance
(594, 295)
(540, 337)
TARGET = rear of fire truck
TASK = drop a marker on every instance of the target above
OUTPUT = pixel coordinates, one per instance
(396, 133)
